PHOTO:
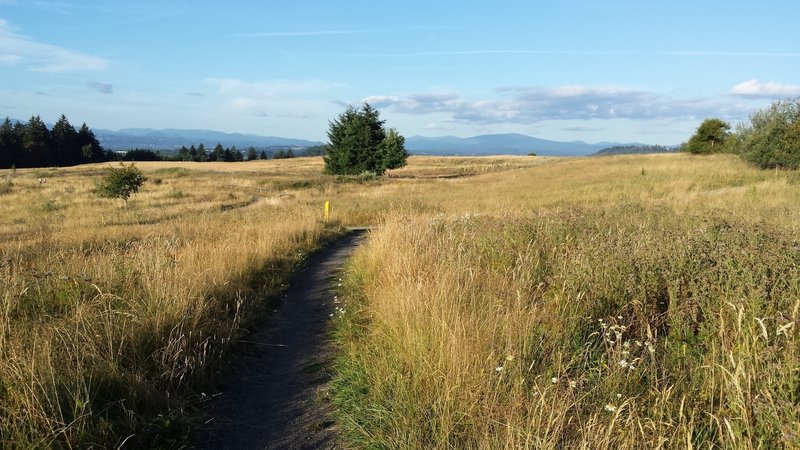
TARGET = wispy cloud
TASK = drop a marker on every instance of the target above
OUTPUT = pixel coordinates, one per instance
(512, 52)
(302, 33)
(478, 52)
(273, 98)
(306, 33)
(754, 89)
(103, 88)
(732, 54)
(20, 50)
(530, 105)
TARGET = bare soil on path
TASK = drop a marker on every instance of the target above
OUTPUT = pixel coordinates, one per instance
(275, 397)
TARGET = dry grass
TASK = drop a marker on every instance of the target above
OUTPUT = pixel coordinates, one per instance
(626, 302)
(114, 319)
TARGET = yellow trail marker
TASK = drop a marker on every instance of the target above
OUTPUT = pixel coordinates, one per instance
(327, 210)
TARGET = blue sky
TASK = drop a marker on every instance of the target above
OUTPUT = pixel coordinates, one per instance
(628, 71)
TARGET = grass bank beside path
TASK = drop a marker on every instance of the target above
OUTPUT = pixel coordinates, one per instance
(115, 320)
(631, 302)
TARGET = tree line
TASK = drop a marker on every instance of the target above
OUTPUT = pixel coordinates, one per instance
(218, 153)
(32, 144)
(771, 139)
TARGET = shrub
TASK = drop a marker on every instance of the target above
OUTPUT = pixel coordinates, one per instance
(710, 137)
(772, 139)
(121, 182)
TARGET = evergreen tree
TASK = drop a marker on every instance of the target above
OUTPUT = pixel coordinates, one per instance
(36, 144)
(289, 153)
(219, 152)
(9, 145)
(192, 153)
(357, 144)
(183, 153)
(227, 156)
(262, 155)
(202, 155)
(90, 147)
(251, 154)
(393, 150)
(64, 139)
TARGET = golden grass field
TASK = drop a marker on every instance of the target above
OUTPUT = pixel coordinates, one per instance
(507, 302)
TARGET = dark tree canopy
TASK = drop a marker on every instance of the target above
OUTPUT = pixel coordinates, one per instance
(358, 142)
(32, 144)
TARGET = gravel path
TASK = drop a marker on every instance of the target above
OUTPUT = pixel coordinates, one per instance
(275, 397)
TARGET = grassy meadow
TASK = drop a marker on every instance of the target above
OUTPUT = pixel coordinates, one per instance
(508, 302)
(624, 302)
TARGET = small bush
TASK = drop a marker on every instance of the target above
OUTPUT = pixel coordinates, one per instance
(121, 182)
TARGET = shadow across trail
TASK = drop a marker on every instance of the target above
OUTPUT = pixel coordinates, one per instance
(273, 397)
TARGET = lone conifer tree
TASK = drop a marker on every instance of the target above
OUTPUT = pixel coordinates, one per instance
(359, 143)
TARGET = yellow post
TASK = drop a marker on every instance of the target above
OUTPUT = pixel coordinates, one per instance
(327, 210)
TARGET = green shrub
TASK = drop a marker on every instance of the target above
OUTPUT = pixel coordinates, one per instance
(121, 182)
(772, 139)
(710, 137)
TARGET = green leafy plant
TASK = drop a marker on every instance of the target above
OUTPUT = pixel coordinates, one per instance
(121, 182)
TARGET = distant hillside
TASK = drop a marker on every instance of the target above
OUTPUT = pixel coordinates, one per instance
(172, 139)
(494, 144)
(634, 150)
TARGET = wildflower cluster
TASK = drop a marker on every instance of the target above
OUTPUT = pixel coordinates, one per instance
(622, 349)
(339, 309)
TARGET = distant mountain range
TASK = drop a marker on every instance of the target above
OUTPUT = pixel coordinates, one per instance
(489, 144)
(172, 139)
(500, 144)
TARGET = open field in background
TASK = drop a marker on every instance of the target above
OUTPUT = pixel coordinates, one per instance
(114, 318)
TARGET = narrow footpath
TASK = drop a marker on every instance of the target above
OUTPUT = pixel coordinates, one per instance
(275, 397)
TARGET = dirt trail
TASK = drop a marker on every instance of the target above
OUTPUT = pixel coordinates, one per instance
(275, 396)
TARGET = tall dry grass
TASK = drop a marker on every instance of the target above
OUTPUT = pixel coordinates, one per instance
(632, 302)
(114, 319)
(484, 279)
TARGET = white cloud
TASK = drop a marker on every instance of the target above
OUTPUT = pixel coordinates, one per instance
(526, 105)
(287, 99)
(17, 49)
(270, 88)
(754, 89)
